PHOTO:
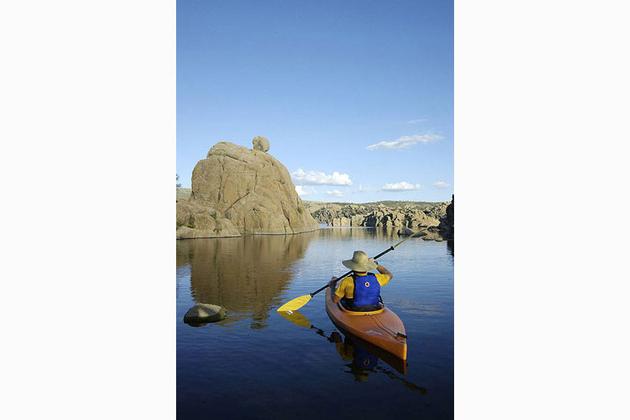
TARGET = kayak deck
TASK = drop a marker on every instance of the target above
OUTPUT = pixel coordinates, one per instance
(381, 328)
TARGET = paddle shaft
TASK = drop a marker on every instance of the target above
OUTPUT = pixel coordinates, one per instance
(391, 248)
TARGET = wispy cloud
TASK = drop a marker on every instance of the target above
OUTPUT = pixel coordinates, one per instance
(401, 186)
(440, 184)
(417, 121)
(303, 177)
(404, 141)
(335, 193)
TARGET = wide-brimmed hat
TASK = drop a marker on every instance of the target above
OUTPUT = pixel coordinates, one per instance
(360, 262)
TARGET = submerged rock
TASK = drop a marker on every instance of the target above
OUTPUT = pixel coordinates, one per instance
(203, 313)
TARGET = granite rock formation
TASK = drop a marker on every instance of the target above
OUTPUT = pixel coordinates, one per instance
(203, 313)
(238, 191)
(447, 222)
(260, 143)
(403, 218)
(387, 215)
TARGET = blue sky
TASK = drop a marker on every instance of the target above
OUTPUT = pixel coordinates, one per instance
(355, 97)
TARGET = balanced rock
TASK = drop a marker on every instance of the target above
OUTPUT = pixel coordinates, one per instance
(260, 143)
(204, 312)
(238, 190)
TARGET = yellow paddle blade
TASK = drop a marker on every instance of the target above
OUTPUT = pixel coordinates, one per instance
(295, 304)
(296, 318)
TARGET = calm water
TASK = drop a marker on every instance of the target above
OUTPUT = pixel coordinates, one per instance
(258, 365)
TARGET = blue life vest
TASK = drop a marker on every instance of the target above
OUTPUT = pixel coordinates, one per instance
(367, 290)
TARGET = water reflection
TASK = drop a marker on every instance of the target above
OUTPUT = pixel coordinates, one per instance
(245, 275)
(377, 233)
(359, 233)
(362, 357)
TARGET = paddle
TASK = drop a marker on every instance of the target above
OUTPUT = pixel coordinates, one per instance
(298, 302)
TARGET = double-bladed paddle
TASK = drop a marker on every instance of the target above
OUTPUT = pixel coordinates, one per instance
(298, 302)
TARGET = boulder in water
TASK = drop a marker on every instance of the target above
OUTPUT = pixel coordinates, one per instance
(203, 313)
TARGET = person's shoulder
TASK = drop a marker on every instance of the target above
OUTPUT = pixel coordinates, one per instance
(383, 279)
(346, 280)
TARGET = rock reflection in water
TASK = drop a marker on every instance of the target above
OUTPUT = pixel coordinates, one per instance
(245, 275)
(378, 233)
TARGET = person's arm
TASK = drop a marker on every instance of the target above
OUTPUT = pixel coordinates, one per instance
(384, 270)
(333, 295)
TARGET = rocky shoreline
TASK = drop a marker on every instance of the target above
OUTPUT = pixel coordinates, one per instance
(432, 220)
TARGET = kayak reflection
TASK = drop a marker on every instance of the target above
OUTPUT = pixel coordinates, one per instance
(363, 358)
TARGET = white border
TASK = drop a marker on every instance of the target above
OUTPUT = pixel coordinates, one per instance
(541, 174)
(88, 153)
(88, 147)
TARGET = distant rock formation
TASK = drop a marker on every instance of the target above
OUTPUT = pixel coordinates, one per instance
(404, 218)
(387, 215)
(239, 191)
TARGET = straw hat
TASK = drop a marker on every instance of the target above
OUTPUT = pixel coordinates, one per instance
(360, 262)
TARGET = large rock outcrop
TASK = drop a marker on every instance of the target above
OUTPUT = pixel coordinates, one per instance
(238, 191)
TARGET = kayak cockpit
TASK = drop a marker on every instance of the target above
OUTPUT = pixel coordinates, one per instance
(351, 312)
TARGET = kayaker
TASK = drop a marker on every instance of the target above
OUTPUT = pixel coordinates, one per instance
(361, 291)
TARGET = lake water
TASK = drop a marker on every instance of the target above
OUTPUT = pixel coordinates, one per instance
(258, 365)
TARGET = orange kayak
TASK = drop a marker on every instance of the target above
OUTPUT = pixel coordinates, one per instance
(381, 328)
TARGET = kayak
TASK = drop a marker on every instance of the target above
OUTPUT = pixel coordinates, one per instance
(381, 328)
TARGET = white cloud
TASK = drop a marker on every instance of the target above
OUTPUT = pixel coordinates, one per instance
(320, 178)
(416, 121)
(401, 186)
(335, 193)
(440, 184)
(303, 190)
(404, 141)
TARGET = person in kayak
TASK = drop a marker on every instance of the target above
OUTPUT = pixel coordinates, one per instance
(361, 291)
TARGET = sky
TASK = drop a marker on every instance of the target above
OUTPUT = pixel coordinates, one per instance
(355, 97)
